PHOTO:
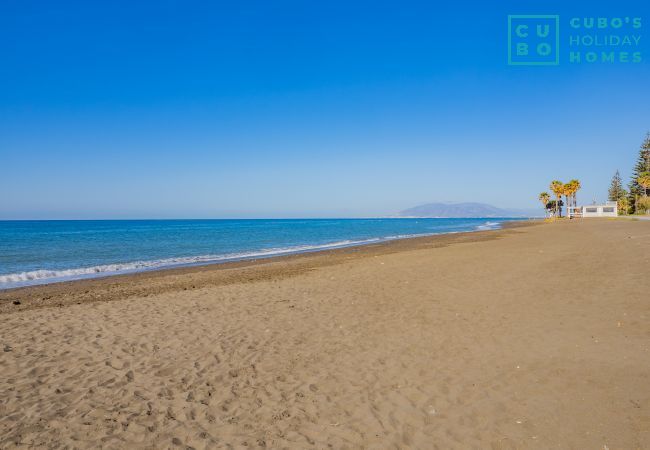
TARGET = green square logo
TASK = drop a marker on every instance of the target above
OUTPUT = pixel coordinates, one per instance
(533, 40)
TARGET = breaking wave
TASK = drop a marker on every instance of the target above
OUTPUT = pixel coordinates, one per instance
(489, 226)
(44, 276)
(48, 276)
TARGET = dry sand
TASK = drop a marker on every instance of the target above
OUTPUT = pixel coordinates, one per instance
(529, 337)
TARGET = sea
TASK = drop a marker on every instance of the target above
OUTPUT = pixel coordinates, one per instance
(49, 251)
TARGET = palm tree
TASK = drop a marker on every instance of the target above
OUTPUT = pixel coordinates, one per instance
(571, 187)
(567, 190)
(557, 187)
(575, 187)
(644, 182)
(544, 198)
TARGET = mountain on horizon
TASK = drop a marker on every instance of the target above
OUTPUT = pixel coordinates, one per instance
(464, 210)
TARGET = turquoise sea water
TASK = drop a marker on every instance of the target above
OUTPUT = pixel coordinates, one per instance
(36, 252)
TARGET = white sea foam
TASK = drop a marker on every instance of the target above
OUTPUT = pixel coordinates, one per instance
(489, 226)
(49, 276)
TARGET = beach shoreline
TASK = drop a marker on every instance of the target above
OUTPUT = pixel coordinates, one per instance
(93, 249)
(534, 336)
(58, 293)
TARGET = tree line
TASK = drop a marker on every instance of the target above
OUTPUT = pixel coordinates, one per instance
(635, 200)
(569, 190)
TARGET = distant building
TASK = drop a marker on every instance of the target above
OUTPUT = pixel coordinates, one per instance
(609, 209)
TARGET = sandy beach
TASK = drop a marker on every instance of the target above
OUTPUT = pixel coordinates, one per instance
(534, 336)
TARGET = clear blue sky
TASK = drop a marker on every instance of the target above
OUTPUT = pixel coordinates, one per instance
(278, 108)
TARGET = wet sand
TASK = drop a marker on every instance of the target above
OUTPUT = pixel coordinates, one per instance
(535, 336)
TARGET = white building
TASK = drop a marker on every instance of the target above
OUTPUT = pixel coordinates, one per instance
(609, 209)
